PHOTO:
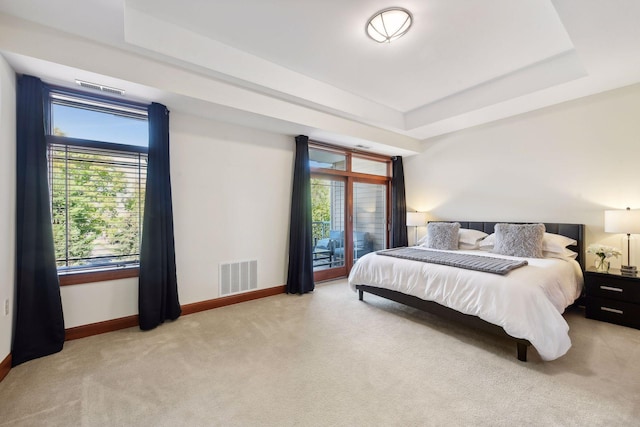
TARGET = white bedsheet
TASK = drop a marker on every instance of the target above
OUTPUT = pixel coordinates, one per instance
(527, 303)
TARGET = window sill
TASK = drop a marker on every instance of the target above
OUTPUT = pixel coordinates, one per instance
(97, 276)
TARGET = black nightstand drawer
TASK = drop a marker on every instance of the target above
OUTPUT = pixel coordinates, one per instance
(614, 287)
(613, 311)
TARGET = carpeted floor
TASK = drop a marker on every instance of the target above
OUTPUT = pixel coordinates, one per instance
(325, 359)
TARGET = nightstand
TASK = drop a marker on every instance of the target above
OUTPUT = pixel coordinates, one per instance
(612, 297)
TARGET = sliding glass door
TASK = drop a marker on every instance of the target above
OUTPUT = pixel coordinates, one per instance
(350, 209)
(369, 218)
(328, 222)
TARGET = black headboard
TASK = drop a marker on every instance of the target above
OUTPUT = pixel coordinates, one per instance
(573, 231)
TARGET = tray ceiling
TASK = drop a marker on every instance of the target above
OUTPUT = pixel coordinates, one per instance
(297, 64)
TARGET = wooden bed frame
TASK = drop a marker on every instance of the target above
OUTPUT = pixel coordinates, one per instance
(574, 231)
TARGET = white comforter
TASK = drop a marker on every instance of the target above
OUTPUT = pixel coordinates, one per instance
(528, 302)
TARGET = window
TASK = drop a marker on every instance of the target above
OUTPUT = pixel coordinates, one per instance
(97, 175)
(326, 159)
(93, 119)
(373, 167)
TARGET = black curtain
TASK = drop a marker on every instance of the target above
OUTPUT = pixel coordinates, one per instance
(158, 284)
(39, 323)
(398, 206)
(300, 276)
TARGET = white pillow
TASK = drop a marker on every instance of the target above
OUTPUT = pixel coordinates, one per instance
(487, 243)
(467, 246)
(470, 237)
(467, 238)
(565, 254)
(556, 243)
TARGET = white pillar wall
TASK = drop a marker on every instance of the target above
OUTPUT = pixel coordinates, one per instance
(7, 202)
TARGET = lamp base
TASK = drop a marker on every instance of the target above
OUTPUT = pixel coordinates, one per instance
(629, 270)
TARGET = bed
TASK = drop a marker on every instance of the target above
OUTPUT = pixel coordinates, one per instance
(525, 305)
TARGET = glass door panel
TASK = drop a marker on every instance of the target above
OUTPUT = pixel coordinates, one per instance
(369, 218)
(328, 220)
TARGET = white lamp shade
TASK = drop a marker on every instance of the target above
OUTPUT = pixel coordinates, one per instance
(389, 24)
(416, 219)
(622, 221)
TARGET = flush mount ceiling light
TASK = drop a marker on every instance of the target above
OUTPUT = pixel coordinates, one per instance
(389, 24)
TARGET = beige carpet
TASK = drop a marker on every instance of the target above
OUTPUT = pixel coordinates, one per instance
(325, 359)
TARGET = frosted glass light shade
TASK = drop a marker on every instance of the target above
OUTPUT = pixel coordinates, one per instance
(416, 219)
(622, 221)
(389, 24)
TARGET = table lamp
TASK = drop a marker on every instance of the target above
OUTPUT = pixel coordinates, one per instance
(626, 222)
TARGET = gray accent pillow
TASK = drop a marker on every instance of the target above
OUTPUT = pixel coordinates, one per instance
(523, 240)
(442, 235)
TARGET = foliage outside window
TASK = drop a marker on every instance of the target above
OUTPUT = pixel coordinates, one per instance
(320, 209)
(97, 187)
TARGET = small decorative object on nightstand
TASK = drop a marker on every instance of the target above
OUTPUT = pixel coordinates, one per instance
(612, 297)
(603, 253)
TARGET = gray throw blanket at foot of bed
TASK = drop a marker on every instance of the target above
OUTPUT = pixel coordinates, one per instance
(470, 262)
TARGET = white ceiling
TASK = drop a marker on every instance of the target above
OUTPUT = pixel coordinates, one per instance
(307, 66)
(325, 40)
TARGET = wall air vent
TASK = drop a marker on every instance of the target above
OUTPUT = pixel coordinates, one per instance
(101, 88)
(236, 277)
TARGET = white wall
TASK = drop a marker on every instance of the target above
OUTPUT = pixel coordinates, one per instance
(566, 163)
(7, 201)
(96, 302)
(231, 199)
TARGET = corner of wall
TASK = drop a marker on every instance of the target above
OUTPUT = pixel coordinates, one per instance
(7, 203)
